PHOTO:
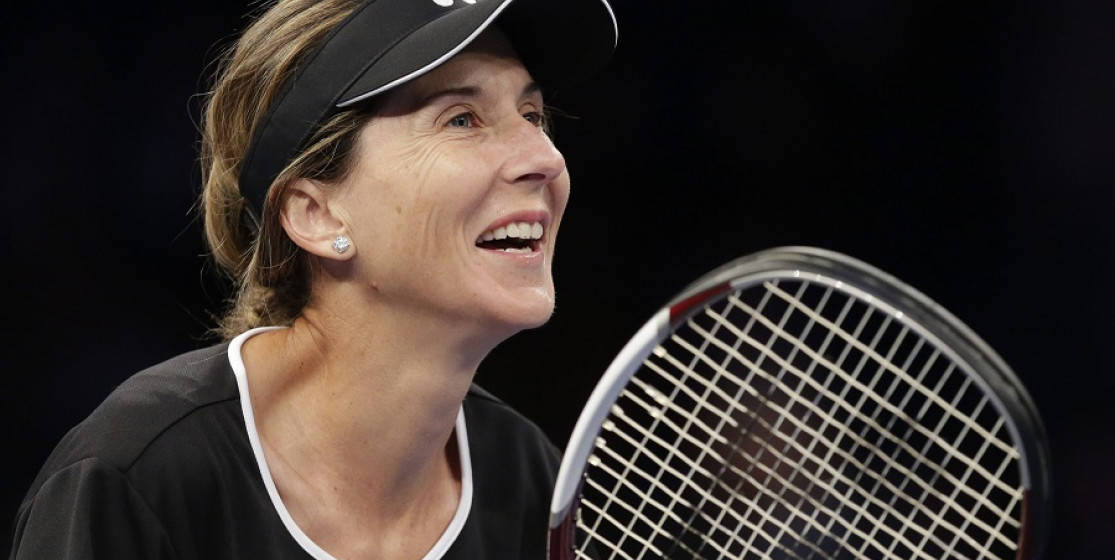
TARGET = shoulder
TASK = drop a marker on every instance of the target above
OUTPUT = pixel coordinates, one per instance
(86, 510)
(156, 448)
(514, 466)
(503, 440)
(144, 409)
(495, 416)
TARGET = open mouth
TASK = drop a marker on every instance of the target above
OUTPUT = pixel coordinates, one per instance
(516, 237)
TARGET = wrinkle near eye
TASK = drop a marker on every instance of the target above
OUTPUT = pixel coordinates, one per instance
(421, 156)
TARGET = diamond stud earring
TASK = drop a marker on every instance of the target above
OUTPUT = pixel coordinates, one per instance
(341, 244)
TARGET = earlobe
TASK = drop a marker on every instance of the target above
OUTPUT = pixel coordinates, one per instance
(341, 244)
(312, 224)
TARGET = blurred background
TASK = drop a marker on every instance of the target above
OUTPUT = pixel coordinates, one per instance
(965, 147)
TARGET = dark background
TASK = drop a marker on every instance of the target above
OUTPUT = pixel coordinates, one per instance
(964, 147)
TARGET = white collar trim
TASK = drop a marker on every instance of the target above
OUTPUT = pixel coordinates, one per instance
(443, 543)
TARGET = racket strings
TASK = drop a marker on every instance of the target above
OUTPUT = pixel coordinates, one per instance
(710, 388)
(967, 422)
(986, 437)
(845, 432)
(938, 473)
(671, 451)
(780, 458)
(797, 430)
(865, 390)
(808, 432)
(687, 477)
(829, 338)
(876, 527)
(869, 351)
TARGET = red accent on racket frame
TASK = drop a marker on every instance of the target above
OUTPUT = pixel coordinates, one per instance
(561, 537)
(1024, 550)
(679, 309)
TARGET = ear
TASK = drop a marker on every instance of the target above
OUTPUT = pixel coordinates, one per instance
(310, 222)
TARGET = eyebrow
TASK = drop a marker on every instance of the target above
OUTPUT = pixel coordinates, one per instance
(469, 91)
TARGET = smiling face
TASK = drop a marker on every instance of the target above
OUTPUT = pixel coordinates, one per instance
(456, 194)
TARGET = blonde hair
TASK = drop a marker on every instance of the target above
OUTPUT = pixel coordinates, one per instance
(271, 274)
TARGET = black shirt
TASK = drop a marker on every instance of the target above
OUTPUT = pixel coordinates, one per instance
(164, 469)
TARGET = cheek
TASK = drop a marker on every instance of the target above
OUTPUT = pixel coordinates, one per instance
(439, 188)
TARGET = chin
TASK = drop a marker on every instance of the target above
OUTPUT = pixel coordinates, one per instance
(528, 311)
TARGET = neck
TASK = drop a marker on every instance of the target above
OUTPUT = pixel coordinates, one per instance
(364, 409)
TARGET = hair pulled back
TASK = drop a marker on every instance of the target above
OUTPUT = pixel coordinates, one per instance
(271, 275)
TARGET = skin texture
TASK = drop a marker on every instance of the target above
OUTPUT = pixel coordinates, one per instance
(356, 402)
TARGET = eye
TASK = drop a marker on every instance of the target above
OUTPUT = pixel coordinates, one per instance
(535, 117)
(463, 120)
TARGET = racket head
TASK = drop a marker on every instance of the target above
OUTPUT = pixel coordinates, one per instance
(860, 284)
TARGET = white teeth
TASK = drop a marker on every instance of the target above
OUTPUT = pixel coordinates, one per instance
(514, 250)
(516, 230)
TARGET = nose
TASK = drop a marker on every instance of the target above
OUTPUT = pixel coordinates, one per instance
(534, 161)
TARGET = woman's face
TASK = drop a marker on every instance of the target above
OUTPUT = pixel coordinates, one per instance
(455, 161)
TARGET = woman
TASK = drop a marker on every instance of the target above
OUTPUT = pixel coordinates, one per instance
(379, 181)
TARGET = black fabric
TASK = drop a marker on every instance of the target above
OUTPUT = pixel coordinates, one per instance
(163, 469)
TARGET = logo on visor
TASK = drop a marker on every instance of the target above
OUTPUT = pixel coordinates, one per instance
(447, 3)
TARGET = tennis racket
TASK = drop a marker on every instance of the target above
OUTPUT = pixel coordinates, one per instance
(800, 404)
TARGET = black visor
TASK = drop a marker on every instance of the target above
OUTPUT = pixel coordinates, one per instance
(386, 43)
